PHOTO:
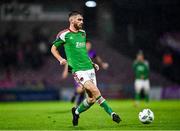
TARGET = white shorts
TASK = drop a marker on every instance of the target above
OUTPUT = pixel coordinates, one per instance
(142, 84)
(83, 76)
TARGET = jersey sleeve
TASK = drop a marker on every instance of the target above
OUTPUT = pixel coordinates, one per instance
(147, 64)
(58, 42)
(60, 39)
(148, 68)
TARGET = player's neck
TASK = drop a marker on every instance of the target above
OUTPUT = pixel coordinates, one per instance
(73, 29)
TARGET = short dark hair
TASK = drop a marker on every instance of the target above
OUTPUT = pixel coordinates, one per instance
(73, 13)
(140, 52)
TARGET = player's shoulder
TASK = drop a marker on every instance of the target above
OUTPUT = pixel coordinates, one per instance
(81, 30)
(135, 62)
(146, 62)
(62, 33)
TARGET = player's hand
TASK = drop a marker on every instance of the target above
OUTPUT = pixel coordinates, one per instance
(105, 65)
(96, 67)
(62, 61)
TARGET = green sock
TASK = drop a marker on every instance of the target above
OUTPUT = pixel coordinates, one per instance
(147, 98)
(83, 106)
(102, 102)
(137, 96)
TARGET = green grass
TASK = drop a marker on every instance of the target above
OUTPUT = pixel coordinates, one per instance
(57, 116)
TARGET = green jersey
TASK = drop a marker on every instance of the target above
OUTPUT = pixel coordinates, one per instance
(141, 70)
(75, 49)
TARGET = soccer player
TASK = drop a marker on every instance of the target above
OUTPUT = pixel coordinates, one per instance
(79, 91)
(81, 66)
(141, 84)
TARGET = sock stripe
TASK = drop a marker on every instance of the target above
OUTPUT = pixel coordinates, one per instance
(83, 107)
(100, 100)
(86, 104)
(98, 97)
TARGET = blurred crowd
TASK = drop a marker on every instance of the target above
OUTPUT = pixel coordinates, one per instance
(27, 54)
(17, 55)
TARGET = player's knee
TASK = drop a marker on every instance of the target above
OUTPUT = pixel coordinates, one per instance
(96, 92)
(91, 100)
(89, 85)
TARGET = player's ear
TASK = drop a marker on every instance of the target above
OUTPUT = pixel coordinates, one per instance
(71, 19)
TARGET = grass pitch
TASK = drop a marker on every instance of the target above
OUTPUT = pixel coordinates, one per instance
(57, 116)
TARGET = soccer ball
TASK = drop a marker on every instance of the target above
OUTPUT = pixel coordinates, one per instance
(146, 116)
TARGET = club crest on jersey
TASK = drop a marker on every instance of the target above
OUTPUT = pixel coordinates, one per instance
(83, 34)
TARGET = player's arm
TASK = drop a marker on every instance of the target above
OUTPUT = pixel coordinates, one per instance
(148, 67)
(65, 72)
(96, 66)
(134, 69)
(103, 64)
(55, 52)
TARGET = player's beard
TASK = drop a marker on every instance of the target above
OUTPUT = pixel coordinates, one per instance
(78, 27)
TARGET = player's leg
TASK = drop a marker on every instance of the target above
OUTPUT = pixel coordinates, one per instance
(92, 87)
(88, 81)
(93, 94)
(87, 102)
(81, 78)
(138, 86)
(96, 95)
(100, 100)
(146, 90)
(84, 105)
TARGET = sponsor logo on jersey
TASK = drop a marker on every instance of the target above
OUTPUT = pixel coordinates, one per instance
(80, 44)
(140, 68)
